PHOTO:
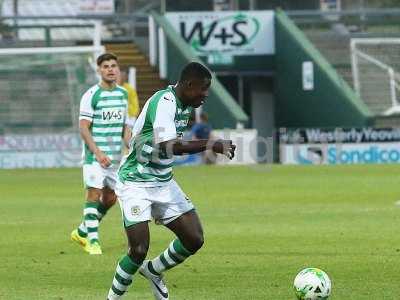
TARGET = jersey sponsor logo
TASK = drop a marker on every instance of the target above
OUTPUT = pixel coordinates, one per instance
(112, 115)
(181, 123)
(185, 112)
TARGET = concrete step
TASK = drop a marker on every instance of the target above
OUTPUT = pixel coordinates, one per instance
(135, 56)
(147, 77)
(133, 62)
(123, 46)
(150, 85)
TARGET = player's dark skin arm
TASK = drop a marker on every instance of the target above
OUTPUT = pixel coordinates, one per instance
(180, 147)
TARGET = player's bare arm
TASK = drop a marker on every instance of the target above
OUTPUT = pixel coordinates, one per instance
(127, 135)
(84, 129)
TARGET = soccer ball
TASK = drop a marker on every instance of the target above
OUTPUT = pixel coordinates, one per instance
(312, 284)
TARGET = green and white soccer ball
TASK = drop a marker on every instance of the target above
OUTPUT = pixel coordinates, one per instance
(312, 284)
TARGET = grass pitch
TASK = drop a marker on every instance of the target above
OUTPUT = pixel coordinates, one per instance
(262, 225)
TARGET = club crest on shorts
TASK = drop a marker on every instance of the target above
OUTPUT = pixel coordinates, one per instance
(135, 210)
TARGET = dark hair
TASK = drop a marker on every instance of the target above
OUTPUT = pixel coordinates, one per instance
(104, 57)
(194, 70)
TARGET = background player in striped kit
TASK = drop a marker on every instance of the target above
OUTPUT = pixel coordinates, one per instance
(102, 124)
(147, 190)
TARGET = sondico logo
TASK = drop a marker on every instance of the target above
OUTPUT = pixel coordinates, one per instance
(372, 154)
(225, 34)
(310, 155)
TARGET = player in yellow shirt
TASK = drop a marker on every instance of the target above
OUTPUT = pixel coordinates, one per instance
(133, 100)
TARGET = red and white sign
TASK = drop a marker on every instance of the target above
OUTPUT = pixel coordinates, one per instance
(89, 7)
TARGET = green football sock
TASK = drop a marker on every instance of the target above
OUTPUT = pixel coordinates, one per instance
(174, 255)
(91, 221)
(126, 268)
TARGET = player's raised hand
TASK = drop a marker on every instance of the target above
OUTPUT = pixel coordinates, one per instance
(225, 147)
(103, 159)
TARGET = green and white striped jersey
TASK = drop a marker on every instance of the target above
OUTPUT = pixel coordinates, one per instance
(107, 110)
(163, 118)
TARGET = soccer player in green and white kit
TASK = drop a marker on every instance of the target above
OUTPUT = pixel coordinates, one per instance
(102, 118)
(146, 188)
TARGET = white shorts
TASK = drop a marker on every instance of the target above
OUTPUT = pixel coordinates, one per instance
(95, 176)
(162, 203)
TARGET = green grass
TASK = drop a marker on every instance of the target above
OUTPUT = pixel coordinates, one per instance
(262, 225)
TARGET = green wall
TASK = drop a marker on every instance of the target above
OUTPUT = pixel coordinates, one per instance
(251, 63)
(332, 103)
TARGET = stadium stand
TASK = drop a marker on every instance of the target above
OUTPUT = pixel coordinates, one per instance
(332, 39)
(148, 80)
(49, 8)
(41, 95)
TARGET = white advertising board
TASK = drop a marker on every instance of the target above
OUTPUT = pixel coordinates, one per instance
(246, 141)
(90, 7)
(333, 154)
(40, 151)
(228, 33)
